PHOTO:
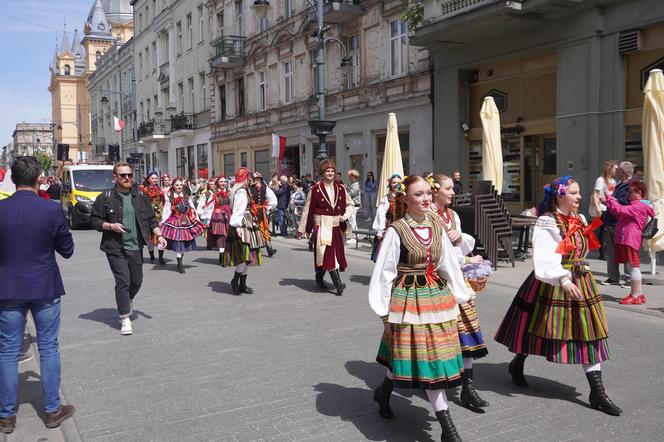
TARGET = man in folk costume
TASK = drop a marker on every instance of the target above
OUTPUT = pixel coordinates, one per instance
(244, 239)
(263, 200)
(326, 210)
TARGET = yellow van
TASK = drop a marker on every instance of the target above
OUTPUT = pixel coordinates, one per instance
(81, 184)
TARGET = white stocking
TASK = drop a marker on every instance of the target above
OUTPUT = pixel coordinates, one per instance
(179, 255)
(591, 367)
(467, 363)
(221, 250)
(389, 374)
(438, 399)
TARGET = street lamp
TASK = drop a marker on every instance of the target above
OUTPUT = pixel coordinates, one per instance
(320, 127)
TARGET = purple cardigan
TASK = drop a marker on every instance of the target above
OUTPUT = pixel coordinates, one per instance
(631, 221)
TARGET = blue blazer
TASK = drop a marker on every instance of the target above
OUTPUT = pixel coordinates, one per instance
(32, 229)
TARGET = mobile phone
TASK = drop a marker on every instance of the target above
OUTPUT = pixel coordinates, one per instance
(126, 229)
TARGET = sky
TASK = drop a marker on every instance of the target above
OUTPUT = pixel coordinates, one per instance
(28, 29)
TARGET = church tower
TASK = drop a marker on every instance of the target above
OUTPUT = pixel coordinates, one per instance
(109, 22)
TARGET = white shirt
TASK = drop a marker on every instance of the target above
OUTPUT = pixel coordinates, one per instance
(167, 205)
(385, 271)
(602, 186)
(381, 216)
(240, 202)
(271, 199)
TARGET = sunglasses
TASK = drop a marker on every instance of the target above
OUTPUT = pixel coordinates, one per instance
(125, 175)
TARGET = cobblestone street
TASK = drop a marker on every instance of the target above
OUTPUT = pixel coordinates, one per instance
(292, 363)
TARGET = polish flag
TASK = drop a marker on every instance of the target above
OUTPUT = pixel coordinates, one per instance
(118, 124)
(278, 146)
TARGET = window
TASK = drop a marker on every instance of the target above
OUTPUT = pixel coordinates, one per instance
(314, 71)
(192, 93)
(140, 22)
(288, 82)
(147, 61)
(398, 47)
(262, 161)
(404, 144)
(190, 31)
(243, 159)
(180, 161)
(262, 91)
(201, 80)
(220, 24)
(202, 160)
(140, 64)
(67, 70)
(222, 102)
(229, 164)
(240, 98)
(191, 161)
(147, 104)
(262, 23)
(181, 95)
(353, 71)
(201, 24)
(154, 56)
(239, 9)
(288, 8)
(178, 37)
(147, 14)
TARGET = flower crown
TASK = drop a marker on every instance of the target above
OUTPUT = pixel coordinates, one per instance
(432, 181)
(557, 188)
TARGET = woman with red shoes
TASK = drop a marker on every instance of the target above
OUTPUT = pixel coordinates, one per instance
(180, 225)
(629, 232)
(558, 312)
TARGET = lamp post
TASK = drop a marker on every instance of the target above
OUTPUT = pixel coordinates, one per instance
(319, 127)
(132, 97)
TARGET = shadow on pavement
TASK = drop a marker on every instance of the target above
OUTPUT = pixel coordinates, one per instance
(221, 287)
(212, 261)
(356, 405)
(360, 279)
(494, 377)
(30, 392)
(609, 298)
(173, 267)
(109, 316)
(308, 285)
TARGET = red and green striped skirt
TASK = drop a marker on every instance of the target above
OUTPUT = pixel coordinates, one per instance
(543, 321)
(470, 334)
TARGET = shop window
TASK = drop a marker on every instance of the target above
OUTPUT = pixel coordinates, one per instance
(202, 160)
(191, 162)
(243, 159)
(404, 144)
(180, 161)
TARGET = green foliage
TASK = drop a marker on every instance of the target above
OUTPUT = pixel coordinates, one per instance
(45, 162)
(412, 14)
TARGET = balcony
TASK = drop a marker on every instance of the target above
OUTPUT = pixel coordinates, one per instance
(154, 130)
(341, 11)
(229, 52)
(182, 122)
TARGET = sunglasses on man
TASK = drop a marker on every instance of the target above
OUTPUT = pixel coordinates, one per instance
(125, 175)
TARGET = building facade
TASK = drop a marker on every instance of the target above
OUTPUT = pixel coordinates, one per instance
(171, 51)
(263, 82)
(109, 22)
(567, 77)
(31, 139)
(110, 89)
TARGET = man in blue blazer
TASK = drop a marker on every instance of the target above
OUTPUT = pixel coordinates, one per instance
(31, 231)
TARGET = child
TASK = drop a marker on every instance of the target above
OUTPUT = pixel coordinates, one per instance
(631, 221)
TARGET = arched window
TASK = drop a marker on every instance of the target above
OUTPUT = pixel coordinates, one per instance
(67, 70)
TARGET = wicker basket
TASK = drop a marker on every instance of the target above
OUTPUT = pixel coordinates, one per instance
(477, 284)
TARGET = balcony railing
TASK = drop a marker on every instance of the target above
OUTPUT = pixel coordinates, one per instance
(229, 52)
(154, 128)
(182, 121)
(341, 11)
(451, 8)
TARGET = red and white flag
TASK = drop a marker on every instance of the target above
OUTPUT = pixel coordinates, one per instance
(118, 124)
(278, 146)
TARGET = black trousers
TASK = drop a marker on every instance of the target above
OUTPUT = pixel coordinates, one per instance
(127, 268)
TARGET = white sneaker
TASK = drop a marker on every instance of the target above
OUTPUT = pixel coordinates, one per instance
(126, 326)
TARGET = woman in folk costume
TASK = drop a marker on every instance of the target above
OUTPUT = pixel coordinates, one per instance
(180, 224)
(326, 210)
(558, 312)
(205, 205)
(244, 240)
(385, 212)
(263, 201)
(157, 199)
(415, 287)
(472, 341)
(216, 210)
(166, 183)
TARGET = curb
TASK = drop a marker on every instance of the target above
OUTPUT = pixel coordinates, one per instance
(68, 428)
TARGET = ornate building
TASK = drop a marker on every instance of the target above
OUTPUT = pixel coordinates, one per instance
(109, 22)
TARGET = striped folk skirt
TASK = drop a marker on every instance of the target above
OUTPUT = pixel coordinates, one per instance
(243, 244)
(181, 231)
(218, 227)
(543, 321)
(423, 349)
(470, 334)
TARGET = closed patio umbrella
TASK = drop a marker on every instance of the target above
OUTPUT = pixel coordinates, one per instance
(392, 162)
(653, 153)
(492, 151)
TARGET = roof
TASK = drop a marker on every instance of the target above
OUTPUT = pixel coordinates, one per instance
(97, 25)
(116, 11)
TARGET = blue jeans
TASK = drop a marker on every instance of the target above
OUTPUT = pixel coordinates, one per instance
(281, 213)
(46, 314)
